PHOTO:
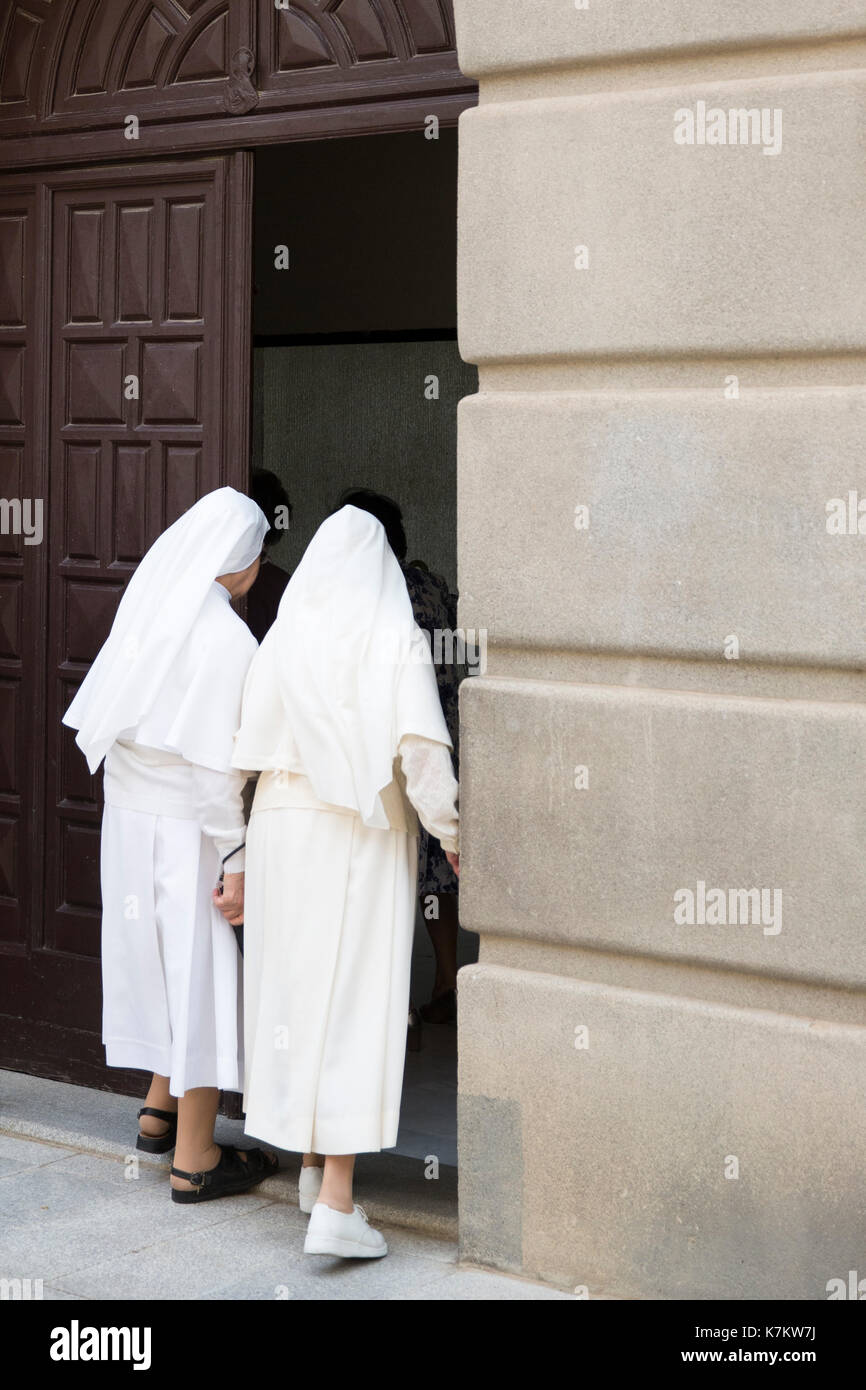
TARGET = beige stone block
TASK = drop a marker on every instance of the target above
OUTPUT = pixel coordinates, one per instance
(664, 975)
(706, 519)
(689, 249)
(603, 1166)
(493, 35)
(645, 822)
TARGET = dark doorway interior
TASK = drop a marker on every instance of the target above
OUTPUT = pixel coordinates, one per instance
(356, 380)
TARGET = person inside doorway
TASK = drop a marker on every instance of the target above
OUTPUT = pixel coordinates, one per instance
(264, 597)
(160, 705)
(341, 717)
(435, 608)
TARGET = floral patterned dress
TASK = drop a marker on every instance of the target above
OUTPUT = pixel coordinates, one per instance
(435, 608)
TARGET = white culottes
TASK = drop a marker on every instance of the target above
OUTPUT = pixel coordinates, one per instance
(170, 960)
(329, 918)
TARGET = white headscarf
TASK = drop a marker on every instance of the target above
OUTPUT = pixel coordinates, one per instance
(343, 673)
(161, 666)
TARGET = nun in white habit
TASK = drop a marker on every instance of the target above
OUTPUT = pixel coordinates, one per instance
(161, 704)
(341, 716)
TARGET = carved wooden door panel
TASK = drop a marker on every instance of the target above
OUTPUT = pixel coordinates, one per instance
(146, 305)
(335, 50)
(23, 570)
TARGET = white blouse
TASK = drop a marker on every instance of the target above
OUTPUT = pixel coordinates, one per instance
(164, 784)
(431, 787)
(424, 788)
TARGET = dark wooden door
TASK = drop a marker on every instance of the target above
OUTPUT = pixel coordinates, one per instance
(22, 580)
(124, 330)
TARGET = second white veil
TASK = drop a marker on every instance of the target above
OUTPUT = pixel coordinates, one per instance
(343, 673)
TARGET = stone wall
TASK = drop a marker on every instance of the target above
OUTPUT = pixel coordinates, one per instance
(662, 1071)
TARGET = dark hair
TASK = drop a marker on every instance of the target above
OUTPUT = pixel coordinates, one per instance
(384, 509)
(267, 492)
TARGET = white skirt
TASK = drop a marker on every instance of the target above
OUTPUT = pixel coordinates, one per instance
(170, 960)
(328, 923)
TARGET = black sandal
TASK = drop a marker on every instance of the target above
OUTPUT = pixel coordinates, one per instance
(442, 1009)
(158, 1143)
(232, 1174)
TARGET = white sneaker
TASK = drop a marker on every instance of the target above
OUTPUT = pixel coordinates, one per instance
(343, 1233)
(309, 1185)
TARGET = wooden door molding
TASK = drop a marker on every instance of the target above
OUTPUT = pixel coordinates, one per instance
(218, 74)
(144, 273)
(22, 566)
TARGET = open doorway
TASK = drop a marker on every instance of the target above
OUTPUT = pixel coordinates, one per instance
(356, 380)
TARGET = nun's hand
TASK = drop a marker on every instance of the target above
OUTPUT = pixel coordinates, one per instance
(231, 900)
(454, 861)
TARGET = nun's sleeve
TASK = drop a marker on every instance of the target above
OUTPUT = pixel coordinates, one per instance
(219, 802)
(432, 788)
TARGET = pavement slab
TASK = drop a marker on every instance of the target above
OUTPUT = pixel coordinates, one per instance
(80, 1211)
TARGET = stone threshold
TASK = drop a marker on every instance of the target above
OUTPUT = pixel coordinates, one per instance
(391, 1187)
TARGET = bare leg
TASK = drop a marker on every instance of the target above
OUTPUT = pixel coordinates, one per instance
(337, 1183)
(159, 1097)
(443, 934)
(196, 1151)
(313, 1161)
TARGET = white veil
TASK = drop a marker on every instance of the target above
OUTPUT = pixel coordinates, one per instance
(148, 660)
(343, 673)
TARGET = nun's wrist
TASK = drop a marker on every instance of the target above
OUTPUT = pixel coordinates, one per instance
(232, 857)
